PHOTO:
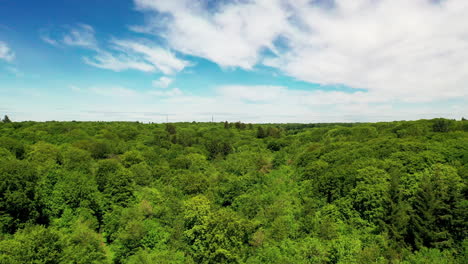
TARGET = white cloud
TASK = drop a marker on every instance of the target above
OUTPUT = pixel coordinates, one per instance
(45, 36)
(81, 35)
(162, 59)
(162, 82)
(113, 91)
(49, 40)
(415, 51)
(233, 36)
(283, 95)
(136, 55)
(6, 53)
(118, 62)
(122, 54)
(263, 103)
(169, 93)
(257, 93)
(111, 103)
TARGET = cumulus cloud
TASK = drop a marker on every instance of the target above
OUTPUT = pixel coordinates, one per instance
(162, 82)
(232, 36)
(416, 51)
(6, 53)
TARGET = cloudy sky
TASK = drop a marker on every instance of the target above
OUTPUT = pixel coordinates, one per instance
(249, 60)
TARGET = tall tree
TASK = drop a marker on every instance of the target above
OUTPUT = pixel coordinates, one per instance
(434, 219)
(261, 132)
(6, 119)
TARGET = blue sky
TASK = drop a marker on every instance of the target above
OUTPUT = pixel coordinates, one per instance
(249, 60)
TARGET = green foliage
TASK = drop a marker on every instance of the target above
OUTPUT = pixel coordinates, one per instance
(261, 132)
(214, 237)
(84, 245)
(74, 190)
(131, 158)
(435, 203)
(76, 159)
(217, 148)
(158, 256)
(38, 244)
(442, 125)
(13, 145)
(370, 195)
(430, 255)
(120, 192)
(17, 194)
(43, 152)
(171, 129)
(35, 244)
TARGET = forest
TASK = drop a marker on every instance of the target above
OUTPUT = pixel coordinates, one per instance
(222, 192)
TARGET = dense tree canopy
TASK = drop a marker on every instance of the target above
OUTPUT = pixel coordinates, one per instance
(126, 192)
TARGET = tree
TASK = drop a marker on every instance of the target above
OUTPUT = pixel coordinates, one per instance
(131, 158)
(35, 244)
(43, 153)
(442, 125)
(273, 132)
(120, 187)
(74, 190)
(6, 119)
(218, 148)
(261, 132)
(171, 129)
(83, 245)
(434, 208)
(18, 204)
(15, 146)
(430, 255)
(396, 216)
(214, 237)
(76, 159)
(370, 195)
(240, 125)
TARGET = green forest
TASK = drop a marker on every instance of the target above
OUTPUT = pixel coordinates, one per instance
(221, 192)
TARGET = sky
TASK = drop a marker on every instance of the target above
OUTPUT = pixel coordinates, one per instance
(255, 61)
